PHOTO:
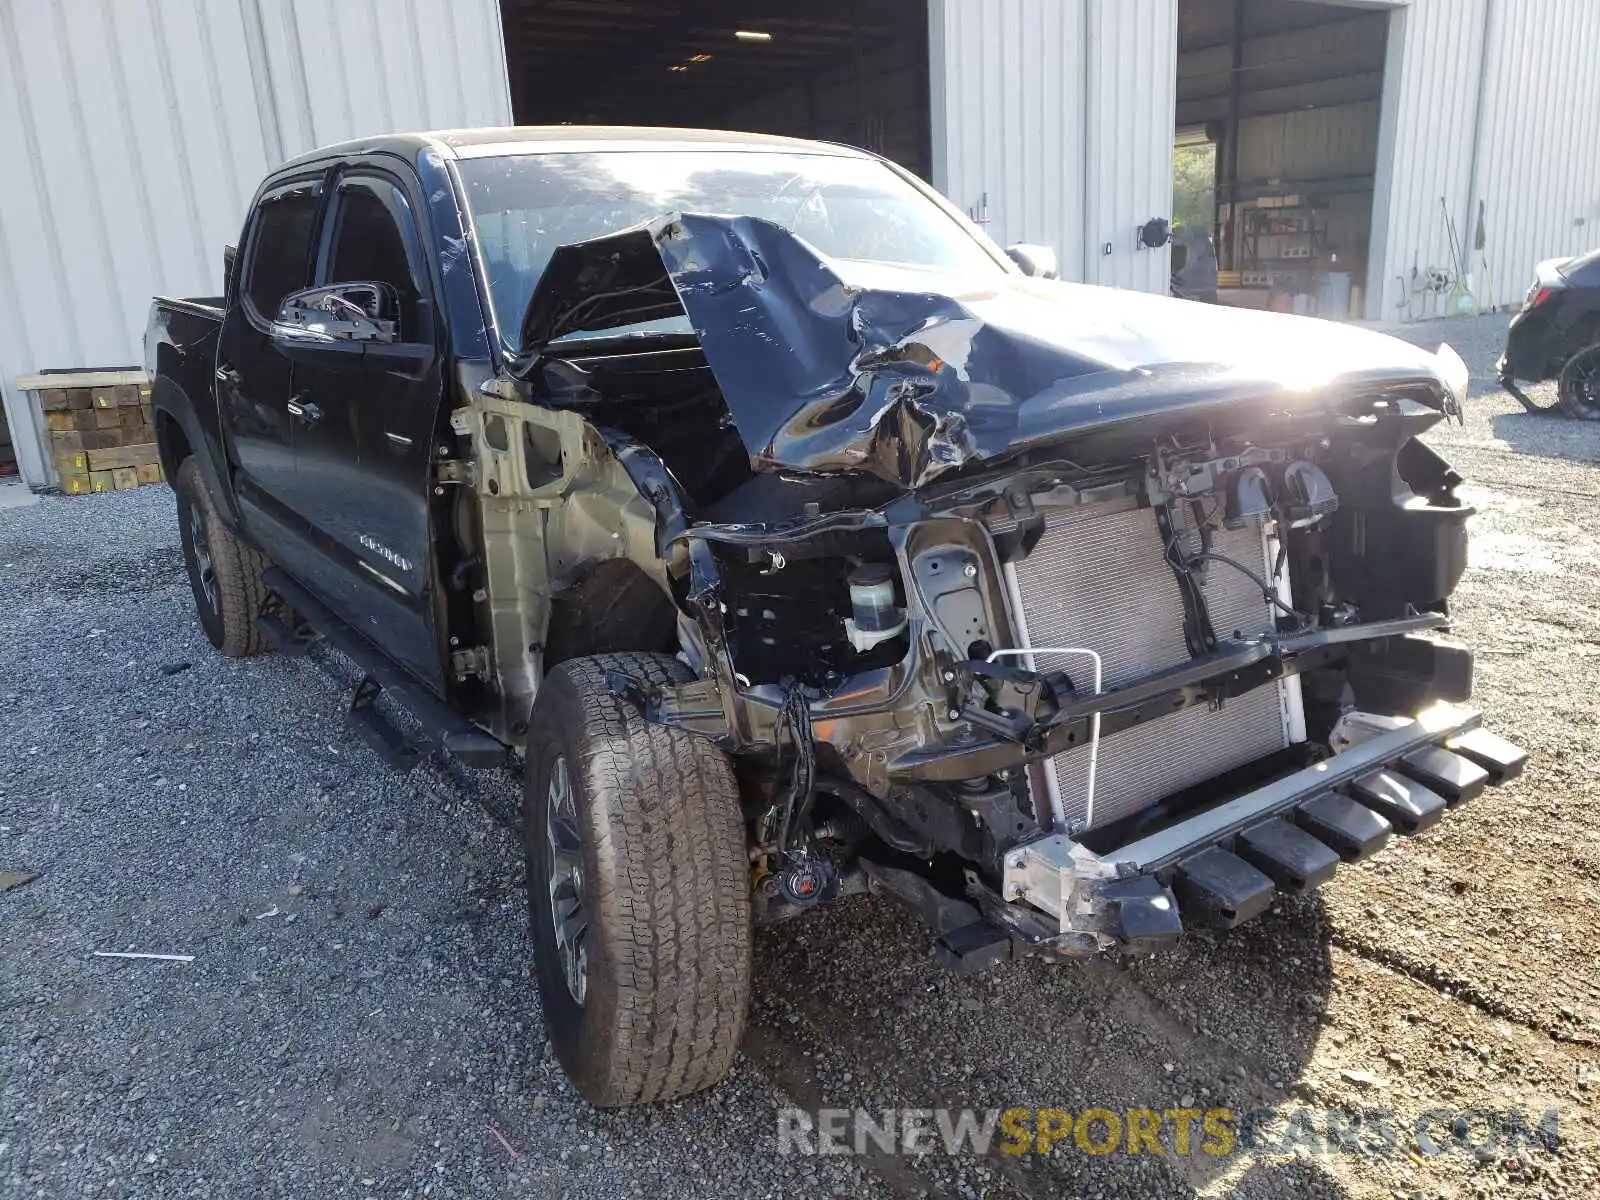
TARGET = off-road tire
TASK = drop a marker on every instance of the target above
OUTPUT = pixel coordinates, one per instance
(1578, 394)
(240, 595)
(666, 888)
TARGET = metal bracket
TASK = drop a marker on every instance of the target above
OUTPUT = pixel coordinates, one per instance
(1015, 700)
(1052, 873)
(473, 662)
(455, 470)
(1072, 884)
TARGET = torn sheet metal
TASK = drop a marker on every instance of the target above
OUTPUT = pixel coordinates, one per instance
(907, 373)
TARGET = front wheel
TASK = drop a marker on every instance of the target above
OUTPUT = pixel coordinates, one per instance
(638, 888)
(1578, 387)
(224, 572)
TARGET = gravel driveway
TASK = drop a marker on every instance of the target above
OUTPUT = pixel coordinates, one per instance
(358, 1018)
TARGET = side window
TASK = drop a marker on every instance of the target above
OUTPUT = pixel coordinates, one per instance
(374, 240)
(280, 250)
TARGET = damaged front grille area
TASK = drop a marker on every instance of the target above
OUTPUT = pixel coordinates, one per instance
(1099, 580)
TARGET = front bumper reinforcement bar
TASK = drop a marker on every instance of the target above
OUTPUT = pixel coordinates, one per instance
(1225, 864)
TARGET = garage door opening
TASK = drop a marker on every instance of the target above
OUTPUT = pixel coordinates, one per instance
(854, 72)
(1282, 100)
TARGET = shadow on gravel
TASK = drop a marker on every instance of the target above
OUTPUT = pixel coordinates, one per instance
(122, 576)
(1545, 435)
(110, 575)
(851, 1011)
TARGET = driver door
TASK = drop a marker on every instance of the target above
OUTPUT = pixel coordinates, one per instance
(365, 409)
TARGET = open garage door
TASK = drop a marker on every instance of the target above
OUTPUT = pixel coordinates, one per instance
(1276, 152)
(852, 71)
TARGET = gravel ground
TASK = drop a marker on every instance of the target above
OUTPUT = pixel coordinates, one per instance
(359, 1020)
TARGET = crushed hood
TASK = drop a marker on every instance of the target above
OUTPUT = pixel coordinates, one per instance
(831, 365)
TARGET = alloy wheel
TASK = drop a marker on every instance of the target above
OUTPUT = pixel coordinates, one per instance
(569, 915)
(202, 557)
(1580, 384)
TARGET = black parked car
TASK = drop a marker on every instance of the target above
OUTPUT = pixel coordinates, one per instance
(1557, 336)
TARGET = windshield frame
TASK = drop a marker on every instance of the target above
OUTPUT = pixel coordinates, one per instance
(509, 349)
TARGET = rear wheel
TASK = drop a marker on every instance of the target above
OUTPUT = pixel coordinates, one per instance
(638, 888)
(1578, 388)
(224, 572)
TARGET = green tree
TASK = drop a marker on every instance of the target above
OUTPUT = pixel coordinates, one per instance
(1194, 186)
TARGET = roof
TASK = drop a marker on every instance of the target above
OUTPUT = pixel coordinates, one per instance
(535, 139)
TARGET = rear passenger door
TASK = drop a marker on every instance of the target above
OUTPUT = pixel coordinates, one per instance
(364, 428)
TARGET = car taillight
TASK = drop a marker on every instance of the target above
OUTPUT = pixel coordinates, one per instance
(1537, 295)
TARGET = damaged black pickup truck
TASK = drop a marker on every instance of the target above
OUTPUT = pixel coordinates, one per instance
(807, 545)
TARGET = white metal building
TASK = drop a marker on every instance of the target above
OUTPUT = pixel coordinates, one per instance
(140, 127)
(134, 132)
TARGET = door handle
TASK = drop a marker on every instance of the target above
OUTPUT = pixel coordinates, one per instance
(305, 409)
(227, 376)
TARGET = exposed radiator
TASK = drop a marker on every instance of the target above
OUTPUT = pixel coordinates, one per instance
(1099, 579)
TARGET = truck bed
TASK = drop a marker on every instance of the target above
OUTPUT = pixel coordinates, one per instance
(200, 306)
(181, 353)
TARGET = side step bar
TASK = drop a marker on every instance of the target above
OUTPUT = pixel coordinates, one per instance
(291, 643)
(445, 727)
(380, 734)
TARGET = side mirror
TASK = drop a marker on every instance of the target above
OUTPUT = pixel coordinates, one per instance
(343, 312)
(1035, 260)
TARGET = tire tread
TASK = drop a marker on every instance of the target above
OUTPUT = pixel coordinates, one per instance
(241, 592)
(676, 904)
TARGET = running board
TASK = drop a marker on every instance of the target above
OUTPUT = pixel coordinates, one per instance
(399, 752)
(291, 643)
(441, 725)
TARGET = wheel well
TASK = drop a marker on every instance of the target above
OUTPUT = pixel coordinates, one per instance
(171, 443)
(611, 606)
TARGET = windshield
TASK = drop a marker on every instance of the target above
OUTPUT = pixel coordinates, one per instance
(525, 206)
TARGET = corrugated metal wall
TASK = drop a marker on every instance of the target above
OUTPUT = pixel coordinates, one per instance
(884, 109)
(1059, 114)
(1538, 161)
(1048, 143)
(1007, 84)
(1313, 143)
(1490, 99)
(1425, 140)
(1130, 112)
(135, 131)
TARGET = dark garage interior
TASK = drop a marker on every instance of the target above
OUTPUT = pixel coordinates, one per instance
(1276, 147)
(854, 72)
